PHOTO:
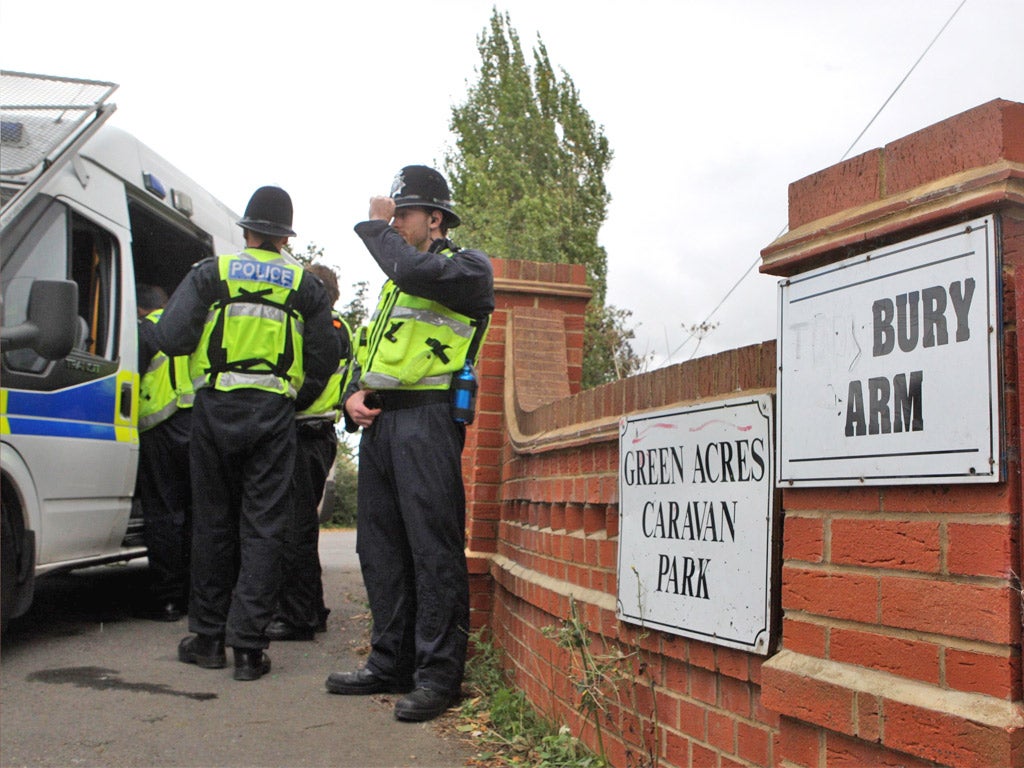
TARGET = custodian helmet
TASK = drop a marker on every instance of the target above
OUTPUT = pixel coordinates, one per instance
(269, 212)
(417, 186)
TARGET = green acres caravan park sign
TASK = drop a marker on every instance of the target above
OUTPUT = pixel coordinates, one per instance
(696, 507)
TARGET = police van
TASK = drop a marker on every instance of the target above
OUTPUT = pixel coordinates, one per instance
(87, 212)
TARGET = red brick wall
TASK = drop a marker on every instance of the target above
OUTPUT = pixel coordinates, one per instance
(901, 629)
(902, 604)
(552, 290)
(688, 702)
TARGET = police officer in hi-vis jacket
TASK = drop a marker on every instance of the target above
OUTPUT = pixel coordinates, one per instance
(163, 485)
(424, 335)
(301, 611)
(262, 346)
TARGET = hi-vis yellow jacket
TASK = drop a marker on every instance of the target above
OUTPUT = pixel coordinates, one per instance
(253, 334)
(328, 403)
(165, 385)
(413, 343)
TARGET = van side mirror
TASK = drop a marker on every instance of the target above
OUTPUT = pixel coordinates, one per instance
(50, 327)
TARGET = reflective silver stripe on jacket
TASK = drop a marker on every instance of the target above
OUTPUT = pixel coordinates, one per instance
(433, 318)
(262, 312)
(151, 420)
(383, 381)
(265, 381)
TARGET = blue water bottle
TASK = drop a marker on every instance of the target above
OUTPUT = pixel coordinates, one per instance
(464, 395)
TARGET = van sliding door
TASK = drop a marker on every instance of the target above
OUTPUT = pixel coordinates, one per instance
(72, 421)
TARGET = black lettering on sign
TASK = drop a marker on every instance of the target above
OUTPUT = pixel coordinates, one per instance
(888, 409)
(656, 466)
(921, 317)
(699, 521)
(729, 462)
(685, 576)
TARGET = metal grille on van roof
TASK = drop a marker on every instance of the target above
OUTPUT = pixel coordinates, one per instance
(39, 115)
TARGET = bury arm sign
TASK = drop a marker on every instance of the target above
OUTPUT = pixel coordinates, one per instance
(889, 365)
(696, 515)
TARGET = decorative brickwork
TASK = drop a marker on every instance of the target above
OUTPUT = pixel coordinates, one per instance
(902, 604)
(965, 166)
(901, 629)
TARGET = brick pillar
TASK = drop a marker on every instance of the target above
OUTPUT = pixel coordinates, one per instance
(902, 604)
(551, 293)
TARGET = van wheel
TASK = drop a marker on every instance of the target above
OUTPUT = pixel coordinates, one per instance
(8, 565)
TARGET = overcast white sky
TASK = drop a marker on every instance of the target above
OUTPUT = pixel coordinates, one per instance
(712, 107)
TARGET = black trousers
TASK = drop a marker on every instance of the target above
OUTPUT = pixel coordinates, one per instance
(302, 592)
(411, 544)
(242, 459)
(166, 495)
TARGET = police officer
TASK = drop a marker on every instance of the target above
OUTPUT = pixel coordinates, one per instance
(259, 330)
(164, 490)
(301, 611)
(429, 323)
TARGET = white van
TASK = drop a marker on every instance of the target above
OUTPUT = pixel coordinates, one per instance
(87, 212)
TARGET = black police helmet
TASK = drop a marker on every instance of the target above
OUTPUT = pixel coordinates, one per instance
(269, 212)
(417, 186)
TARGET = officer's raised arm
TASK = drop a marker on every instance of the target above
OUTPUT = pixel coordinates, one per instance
(381, 209)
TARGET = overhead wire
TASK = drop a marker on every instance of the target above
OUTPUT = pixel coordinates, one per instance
(901, 82)
(703, 325)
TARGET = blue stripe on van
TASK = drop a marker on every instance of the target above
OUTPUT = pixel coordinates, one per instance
(93, 401)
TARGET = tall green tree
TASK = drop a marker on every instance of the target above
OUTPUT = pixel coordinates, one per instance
(527, 169)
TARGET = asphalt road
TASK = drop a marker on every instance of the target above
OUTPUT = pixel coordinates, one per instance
(84, 682)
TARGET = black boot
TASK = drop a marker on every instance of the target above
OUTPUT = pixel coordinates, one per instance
(251, 663)
(321, 624)
(169, 610)
(206, 651)
(279, 630)
(365, 681)
(424, 704)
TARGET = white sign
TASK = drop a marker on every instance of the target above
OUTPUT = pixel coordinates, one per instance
(696, 512)
(888, 365)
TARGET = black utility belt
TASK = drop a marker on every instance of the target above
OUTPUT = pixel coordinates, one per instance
(314, 424)
(398, 399)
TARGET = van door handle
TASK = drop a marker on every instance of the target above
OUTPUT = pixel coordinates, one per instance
(126, 401)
